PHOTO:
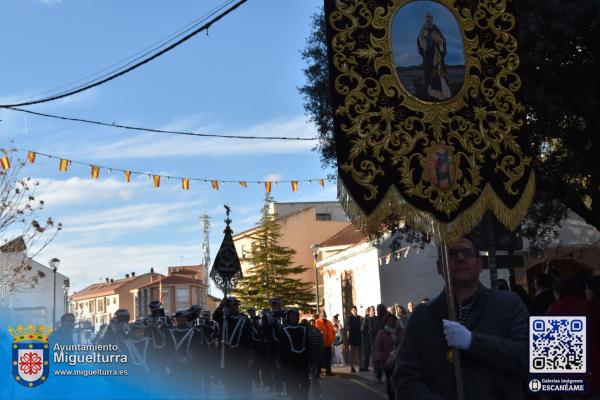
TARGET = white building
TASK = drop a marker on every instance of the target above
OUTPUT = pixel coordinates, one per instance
(34, 294)
(356, 272)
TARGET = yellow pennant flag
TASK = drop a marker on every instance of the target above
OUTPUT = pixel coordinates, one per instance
(268, 187)
(322, 182)
(156, 180)
(5, 163)
(215, 184)
(95, 172)
(243, 184)
(185, 184)
(63, 165)
(127, 176)
(31, 157)
(294, 186)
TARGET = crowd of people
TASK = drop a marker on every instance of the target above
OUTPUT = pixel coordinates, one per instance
(289, 352)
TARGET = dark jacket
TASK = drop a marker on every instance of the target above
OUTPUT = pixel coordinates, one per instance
(579, 306)
(540, 303)
(354, 327)
(493, 368)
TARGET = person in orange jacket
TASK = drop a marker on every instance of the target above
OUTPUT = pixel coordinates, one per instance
(326, 328)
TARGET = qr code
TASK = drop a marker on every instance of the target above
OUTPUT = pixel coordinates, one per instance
(557, 345)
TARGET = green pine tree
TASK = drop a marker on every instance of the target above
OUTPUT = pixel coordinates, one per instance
(272, 273)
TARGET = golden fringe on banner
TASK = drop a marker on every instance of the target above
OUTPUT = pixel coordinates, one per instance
(393, 203)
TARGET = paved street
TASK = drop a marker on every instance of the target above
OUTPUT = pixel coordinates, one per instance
(343, 385)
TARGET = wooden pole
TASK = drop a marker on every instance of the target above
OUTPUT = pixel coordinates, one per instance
(450, 301)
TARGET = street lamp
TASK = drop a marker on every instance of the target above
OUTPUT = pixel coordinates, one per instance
(315, 250)
(54, 263)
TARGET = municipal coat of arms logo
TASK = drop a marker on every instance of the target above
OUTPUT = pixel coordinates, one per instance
(30, 354)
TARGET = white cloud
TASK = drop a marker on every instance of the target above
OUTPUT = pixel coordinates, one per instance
(272, 177)
(85, 265)
(163, 145)
(77, 190)
(124, 219)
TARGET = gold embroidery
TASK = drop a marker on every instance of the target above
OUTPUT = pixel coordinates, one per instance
(398, 138)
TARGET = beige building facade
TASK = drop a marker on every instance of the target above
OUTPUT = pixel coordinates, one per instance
(97, 303)
(302, 224)
(182, 288)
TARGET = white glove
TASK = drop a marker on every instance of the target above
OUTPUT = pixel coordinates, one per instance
(457, 335)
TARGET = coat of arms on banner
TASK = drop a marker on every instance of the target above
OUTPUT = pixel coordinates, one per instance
(30, 354)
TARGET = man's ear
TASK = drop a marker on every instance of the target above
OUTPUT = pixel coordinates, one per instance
(439, 267)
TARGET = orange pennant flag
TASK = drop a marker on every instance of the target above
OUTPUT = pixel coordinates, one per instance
(294, 186)
(243, 184)
(95, 172)
(5, 163)
(31, 157)
(322, 182)
(185, 184)
(63, 165)
(156, 180)
(127, 176)
(215, 184)
(268, 187)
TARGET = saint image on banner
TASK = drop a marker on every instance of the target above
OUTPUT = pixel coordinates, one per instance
(432, 47)
(441, 167)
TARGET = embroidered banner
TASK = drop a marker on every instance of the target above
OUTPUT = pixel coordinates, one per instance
(428, 121)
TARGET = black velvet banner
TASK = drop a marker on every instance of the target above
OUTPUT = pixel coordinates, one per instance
(428, 119)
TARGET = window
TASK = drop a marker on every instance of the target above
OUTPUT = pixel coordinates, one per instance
(323, 217)
(166, 300)
(182, 298)
(91, 306)
(100, 305)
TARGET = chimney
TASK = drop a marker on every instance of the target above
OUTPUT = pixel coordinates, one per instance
(126, 275)
(111, 281)
(152, 270)
(106, 280)
(133, 274)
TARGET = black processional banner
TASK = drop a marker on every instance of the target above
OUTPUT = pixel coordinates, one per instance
(429, 125)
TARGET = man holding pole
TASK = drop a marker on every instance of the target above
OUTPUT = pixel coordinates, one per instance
(490, 332)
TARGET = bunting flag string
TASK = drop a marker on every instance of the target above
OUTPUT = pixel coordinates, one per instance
(95, 174)
(64, 164)
(5, 162)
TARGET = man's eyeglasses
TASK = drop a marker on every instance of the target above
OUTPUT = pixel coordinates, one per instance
(466, 253)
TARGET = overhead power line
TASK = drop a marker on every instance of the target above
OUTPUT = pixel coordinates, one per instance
(132, 67)
(115, 67)
(137, 128)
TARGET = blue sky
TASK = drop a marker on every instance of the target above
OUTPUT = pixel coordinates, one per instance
(407, 24)
(241, 78)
